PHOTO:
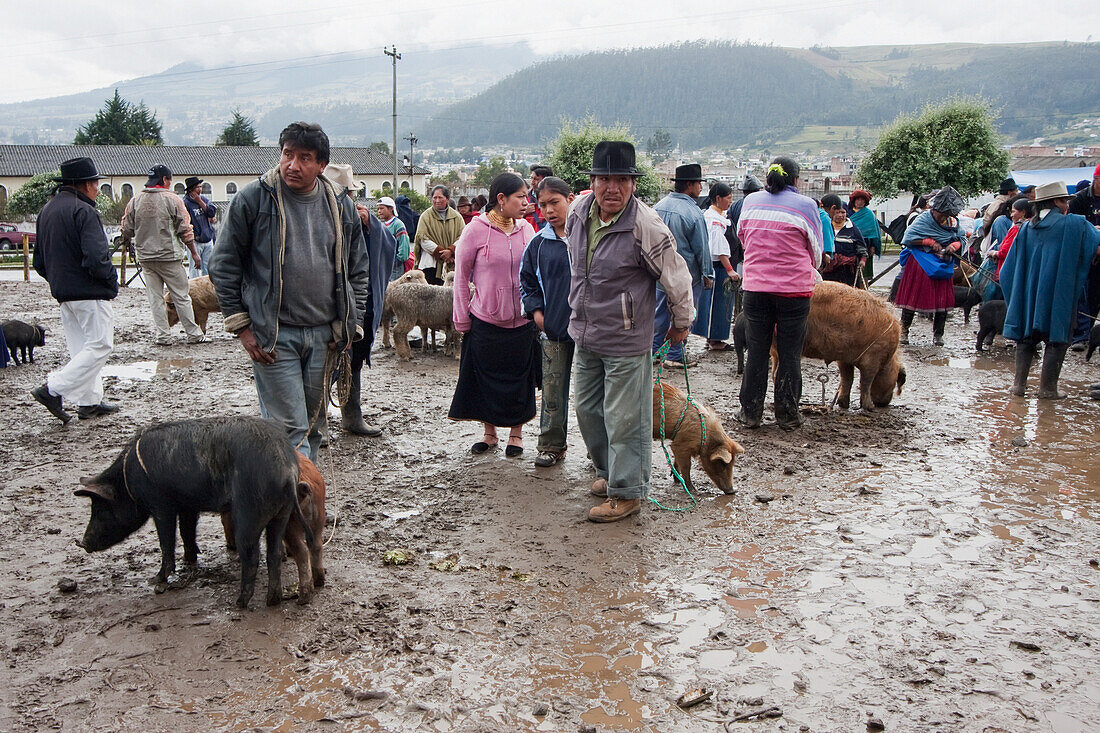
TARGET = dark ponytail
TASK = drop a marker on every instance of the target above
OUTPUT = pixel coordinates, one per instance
(717, 191)
(782, 172)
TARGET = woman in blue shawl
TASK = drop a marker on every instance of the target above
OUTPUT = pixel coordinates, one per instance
(929, 249)
(1043, 278)
(859, 213)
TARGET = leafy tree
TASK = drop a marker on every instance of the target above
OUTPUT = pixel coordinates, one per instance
(486, 172)
(659, 145)
(121, 123)
(240, 131)
(29, 198)
(952, 143)
(380, 146)
(451, 178)
(111, 208)
(571, 155)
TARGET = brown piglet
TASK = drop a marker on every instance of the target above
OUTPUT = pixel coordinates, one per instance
(716, 453)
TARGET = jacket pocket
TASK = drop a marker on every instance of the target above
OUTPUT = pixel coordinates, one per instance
(626, 300)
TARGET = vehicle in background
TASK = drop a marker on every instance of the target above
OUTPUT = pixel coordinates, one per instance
(11, 237)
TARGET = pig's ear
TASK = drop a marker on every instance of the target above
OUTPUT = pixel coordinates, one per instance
(721, 454)
(303, 491)
(736, 448)
(90, 489)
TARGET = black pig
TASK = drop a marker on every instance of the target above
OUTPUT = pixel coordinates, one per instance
(740, 341)
(1094, 341)
(23, 337)
(991, 321)
(175, 470)
(967, 298)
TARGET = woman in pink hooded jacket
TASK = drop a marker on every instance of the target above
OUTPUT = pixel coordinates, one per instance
(500, 365)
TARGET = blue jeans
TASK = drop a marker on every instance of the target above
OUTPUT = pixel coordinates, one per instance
(206, 251)
(614, 401)
(290, 389)
(557, 363)
(662, 319)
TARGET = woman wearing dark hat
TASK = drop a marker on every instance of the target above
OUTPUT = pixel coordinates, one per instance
(1043, 278)
(929, 248)
(862, 218)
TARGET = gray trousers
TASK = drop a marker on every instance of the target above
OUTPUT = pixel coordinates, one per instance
(291, 389)
(159, 274)
(557, 363)
(614, 401)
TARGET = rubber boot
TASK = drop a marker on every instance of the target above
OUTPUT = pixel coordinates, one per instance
(1025, 354)
(1053, 356)
(939, 321)
(906, 322)
(352, 411)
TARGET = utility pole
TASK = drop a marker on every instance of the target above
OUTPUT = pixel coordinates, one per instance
(412, 142)
(392, 52)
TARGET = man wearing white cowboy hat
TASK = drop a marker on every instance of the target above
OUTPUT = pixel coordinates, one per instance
(1043, 278)
(380, 254)
(73, 256)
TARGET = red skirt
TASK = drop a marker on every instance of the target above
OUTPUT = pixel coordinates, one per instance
(918, 292)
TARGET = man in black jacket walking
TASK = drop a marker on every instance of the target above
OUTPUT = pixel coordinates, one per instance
(72, 255)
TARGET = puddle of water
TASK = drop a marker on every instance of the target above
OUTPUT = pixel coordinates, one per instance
(143, 371)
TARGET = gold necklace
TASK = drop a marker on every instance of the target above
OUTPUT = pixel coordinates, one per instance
(503, 222)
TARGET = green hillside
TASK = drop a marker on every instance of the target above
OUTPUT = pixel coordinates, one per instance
(731, 94)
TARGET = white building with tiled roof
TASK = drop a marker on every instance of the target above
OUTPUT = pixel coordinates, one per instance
(125, 168)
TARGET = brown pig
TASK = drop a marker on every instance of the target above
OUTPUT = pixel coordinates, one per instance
(203, 299)
(716, 454)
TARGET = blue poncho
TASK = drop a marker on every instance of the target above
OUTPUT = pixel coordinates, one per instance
(1044, 276)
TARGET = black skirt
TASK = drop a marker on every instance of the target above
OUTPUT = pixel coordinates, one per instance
(498, 374)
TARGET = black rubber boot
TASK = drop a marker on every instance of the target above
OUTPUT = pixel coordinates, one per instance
(1025, 354)
(352, 412)
(906, 322)
(939, 321)
(1053, 356)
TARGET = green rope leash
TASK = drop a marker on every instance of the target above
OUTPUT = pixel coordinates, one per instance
(660, 358)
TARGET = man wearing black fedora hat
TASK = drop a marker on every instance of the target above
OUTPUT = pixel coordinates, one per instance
(202, 214)
(681, 213)
(619, 249)
(73, 256)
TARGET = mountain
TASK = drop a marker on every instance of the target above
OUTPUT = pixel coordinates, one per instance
(351, 93)
(730, 94)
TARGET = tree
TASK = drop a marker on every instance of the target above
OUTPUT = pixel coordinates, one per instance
(379, 147)
(486, 172)
(659, 145)
(29, 198)
(571, 155)
(239, 132)
(120, 123)
(418, 202)
(952, 143)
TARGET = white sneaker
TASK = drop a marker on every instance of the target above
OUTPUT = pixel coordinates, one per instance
(204, 339)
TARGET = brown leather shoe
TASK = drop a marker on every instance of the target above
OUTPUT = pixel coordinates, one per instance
(599, 487)
(614, 509)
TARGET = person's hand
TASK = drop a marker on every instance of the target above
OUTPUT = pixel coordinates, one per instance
(447, 255)
(257, 354)
(862, 262)
(679, 335)
(708, 283)
(196, 258)
(196, 196)
(540, 320)
(363, 212)
(955, 246)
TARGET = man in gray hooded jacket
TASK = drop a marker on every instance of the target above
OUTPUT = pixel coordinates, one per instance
(291, 274)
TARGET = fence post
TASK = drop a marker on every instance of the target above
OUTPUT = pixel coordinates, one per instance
(26, 258)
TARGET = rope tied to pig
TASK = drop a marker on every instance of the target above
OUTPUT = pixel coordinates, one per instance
(659, 358)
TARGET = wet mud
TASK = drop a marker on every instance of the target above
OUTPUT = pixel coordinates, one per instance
(931, 566)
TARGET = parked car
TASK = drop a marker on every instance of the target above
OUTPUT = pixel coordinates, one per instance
(12, 238)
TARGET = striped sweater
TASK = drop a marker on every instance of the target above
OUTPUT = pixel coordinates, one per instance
(781, 234)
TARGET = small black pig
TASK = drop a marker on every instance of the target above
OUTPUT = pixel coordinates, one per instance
(175, 470)
(23, 337)
(991, 321)
(966, 298)
(1094, 341)
(740, 341)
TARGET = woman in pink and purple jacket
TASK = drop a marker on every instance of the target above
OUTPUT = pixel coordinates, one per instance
(501, 365)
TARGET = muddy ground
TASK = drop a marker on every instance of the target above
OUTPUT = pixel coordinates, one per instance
(932, 566)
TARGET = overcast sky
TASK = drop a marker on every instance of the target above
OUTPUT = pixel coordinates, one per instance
(61, 47)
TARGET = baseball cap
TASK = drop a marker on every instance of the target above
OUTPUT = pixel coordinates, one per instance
(387, 201)
(158, 172)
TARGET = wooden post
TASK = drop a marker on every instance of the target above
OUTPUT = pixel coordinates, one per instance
(26, 258)
(122, 266)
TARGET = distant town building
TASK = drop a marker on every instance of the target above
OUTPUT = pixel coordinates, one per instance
(125, 168)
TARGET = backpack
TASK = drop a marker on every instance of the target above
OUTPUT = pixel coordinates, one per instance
(897, 228)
